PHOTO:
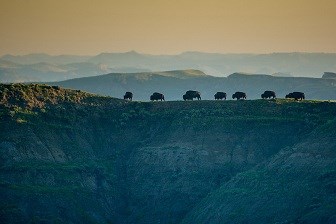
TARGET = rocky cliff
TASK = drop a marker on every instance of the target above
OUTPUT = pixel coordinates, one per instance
(73, 157)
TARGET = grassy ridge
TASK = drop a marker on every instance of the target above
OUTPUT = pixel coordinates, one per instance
(106, 159)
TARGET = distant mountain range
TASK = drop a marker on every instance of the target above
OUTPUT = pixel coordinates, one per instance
(44, 68)
(44, 71)
(173, 84)
(37, 58)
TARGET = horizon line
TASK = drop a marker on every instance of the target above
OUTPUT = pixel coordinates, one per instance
(180, 53)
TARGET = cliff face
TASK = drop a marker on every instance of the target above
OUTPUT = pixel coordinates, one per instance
(298, 185)
(69, 156)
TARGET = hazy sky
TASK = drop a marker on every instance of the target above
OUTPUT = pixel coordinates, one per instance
(167, 26)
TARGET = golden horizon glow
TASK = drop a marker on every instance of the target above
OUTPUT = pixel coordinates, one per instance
(88, 27)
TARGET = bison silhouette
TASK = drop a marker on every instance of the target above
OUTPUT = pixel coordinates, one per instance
(296, 95)
(220, 96)
(268, 95)
(157, 96)
(128, 96)
(191, 94)
(239, 95)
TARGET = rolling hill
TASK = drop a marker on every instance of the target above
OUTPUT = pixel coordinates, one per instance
(296, 64)
(221, 65)
(174, 84)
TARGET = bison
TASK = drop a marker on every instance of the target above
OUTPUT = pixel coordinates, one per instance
(191, 94)
(128, 96)
(220, 96)
(157, 96)
(268, 95)
(239, 95)
(296, 95)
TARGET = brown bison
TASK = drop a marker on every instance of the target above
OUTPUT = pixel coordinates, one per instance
(157, 96)
(128, 96)
(191, 94)
(296, 95)
(239, 95)
(220, 96)
(268, 95)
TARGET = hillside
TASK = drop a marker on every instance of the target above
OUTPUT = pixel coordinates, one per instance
(221, 65)
(72, 157)
(298, 185)
(174, 84)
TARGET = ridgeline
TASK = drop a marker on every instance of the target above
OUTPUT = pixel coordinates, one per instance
(173, 84)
